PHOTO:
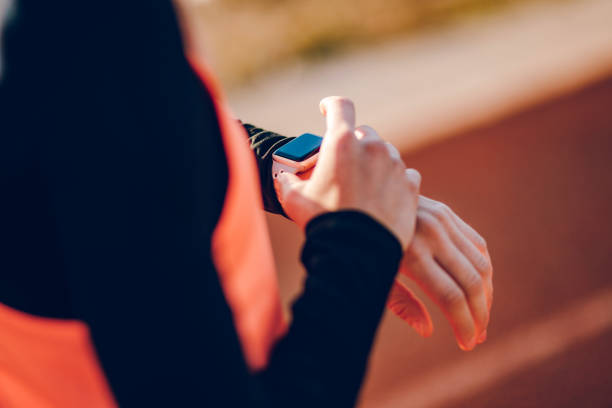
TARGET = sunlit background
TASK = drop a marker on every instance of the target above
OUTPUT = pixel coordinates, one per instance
(506, 109)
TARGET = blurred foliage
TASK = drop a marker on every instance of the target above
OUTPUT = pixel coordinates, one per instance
(246, 37)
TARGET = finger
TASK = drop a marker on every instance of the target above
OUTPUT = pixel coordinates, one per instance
(393, 152)
(470, 232)
(463, 272)
(482, 338)
(339, 113)
(445, 292)
(405, 305)
(414, 177)
(481, 244)
(366, 133)
(305, 175)
(480, 261)
(284, 184)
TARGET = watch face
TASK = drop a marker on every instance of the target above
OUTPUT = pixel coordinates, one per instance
(300, 148)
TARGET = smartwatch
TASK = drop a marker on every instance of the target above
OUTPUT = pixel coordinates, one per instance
(297, 156)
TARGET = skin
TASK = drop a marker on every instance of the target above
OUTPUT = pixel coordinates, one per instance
(449, 260)
(384, 189)
(446, 257)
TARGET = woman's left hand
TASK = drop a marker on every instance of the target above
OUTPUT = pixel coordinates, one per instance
(449, 260)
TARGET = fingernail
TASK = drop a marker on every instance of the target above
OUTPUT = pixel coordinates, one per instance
(421, 328)
(483, 337)
(469, 346)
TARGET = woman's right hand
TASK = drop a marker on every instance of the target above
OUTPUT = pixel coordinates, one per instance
(355, 171)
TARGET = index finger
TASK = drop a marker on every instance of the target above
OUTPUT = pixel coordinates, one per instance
(339, 113)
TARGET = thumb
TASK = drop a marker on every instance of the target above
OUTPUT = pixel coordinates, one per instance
(339, 113)
(405, 305)
(284, 184)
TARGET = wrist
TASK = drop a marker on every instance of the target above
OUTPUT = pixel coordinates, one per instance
(358, 252)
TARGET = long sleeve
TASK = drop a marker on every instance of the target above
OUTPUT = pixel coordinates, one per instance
(351, 261)
(264, 143)
(131, 171)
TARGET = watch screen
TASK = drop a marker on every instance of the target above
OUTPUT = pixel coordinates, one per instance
(300, 148)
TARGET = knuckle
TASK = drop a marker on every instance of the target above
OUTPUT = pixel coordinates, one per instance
(344, 132)
(344, 137)
(414, 174)
(412, 187)
(413, 179)
(398, 163)
(483, 264)
(474, 286)
(393, 151)
(416, 253)
(478, 239)
(375, 149)
(397, 168)
(451, 298)
(481, 241)
(409, 189)
(440, 211)
(367, 129)
(428, 224)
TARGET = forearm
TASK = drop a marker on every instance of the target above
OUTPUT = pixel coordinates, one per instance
(351, 261)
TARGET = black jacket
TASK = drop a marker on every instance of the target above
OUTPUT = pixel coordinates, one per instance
(112, 177)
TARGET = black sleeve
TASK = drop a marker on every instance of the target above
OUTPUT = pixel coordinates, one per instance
(133, 169)
(264, 143)
(351, 261)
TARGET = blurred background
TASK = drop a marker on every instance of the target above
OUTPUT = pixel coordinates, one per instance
(506, 109)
